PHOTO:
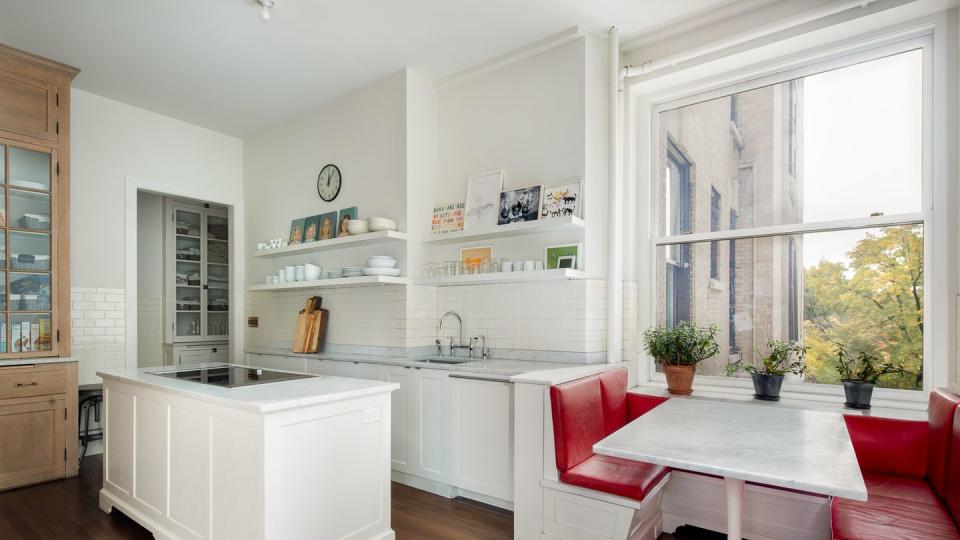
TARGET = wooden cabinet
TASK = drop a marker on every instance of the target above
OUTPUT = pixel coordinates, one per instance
(34, 205)
(38, 420)
(482, 436)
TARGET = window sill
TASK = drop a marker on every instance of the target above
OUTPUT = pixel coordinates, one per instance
(884, 408)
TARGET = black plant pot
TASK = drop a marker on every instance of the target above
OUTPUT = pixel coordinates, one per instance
(858, 394)
(767, 387)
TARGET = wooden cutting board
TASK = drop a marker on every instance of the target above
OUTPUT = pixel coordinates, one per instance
(304, 324)
(318, 330)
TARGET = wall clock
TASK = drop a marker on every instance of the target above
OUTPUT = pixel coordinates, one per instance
(329, 182)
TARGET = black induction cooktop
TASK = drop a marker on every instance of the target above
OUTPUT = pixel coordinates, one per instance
(229, 376)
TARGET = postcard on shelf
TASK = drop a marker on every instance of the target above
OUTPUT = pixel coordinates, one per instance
(296, 232)
(447, 218)
(328, 226)
(474, 256)
(483, 196)
(561, 201)
(563, 256)
(310, 227)
(520, 205)
(343, 218)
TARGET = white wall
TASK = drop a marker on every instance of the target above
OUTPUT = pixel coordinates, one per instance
(110, 140)
(363, 134)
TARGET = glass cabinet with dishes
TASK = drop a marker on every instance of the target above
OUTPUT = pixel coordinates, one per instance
(29, 272)
(197, 274)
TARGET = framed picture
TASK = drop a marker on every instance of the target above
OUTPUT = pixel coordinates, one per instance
(565, 256)
(311, 227)
(343, 218)
(483, 196)
(520, 205)
(446, 218)
(560, 201)
(296, 232)
(328, 226)
(473, 256)
(567, 261)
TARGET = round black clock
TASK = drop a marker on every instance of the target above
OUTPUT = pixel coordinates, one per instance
(328, 182)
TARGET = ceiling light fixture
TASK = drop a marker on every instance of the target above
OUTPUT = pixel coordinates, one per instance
(265, 6)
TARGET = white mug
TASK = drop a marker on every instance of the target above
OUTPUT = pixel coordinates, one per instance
(528, 266)
(280, 277)
(507, 266)
(538, 265)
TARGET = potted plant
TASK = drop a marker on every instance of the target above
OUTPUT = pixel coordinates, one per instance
(679, 350)
(783, 357)
(859, 374)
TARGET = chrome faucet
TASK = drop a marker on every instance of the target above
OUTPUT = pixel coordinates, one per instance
(459, 344)
(484, 352)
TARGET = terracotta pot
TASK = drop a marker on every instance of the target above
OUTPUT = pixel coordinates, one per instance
(679, 379)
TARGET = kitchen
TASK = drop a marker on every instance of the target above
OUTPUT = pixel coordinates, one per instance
(293, 283)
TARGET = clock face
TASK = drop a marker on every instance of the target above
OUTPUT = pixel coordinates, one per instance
(328, 182)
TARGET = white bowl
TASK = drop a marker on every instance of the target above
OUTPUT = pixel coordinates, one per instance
(382, 224)
(373, 262)
(357, 226)
(394, 272)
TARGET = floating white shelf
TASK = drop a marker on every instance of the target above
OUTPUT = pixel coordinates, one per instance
(567, 223)
(366, 239)
(506, 277)
(335, 282)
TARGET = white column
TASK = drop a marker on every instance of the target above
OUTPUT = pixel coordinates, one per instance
(734, 507)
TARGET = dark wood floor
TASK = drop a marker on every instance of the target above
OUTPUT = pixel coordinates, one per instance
(67, 510)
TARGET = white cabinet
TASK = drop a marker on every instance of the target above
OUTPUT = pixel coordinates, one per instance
(196, 273)
(432, 435)
(482, 436)
(402, 411)
(182, 354)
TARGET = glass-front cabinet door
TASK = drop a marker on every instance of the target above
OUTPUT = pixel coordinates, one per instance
(200, 307)
(28, 306)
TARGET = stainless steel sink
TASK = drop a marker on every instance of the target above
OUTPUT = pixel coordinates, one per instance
(444, 360)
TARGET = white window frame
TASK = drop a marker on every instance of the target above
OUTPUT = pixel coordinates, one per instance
(938, 291)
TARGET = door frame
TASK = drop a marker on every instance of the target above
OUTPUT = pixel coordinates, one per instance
(133, 186)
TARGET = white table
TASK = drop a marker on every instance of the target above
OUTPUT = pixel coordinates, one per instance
(768, 444)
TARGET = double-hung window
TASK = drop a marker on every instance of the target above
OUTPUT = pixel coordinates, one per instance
(819, 176)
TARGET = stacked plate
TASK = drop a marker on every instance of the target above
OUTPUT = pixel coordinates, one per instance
(381, 265)
(352, 271)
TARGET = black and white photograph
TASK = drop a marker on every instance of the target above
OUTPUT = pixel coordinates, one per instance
(520, 205)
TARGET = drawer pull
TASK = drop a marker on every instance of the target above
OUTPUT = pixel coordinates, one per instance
(21, 384)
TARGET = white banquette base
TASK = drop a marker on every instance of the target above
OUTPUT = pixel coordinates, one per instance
(186, 468)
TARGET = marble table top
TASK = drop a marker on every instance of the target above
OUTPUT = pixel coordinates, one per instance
(791, 448)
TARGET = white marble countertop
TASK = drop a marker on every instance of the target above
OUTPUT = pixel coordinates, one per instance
(791, 448)
(492, 368)
(31, 361)
(261, 398)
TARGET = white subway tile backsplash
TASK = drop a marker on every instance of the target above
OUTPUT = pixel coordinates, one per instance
(97, 330)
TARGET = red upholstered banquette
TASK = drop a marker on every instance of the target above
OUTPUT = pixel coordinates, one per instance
(584, 412)
(912, 472)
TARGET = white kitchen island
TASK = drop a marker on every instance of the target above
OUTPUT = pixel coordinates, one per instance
(297, 459)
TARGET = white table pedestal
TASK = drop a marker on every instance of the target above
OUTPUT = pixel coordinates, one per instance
(734, 507)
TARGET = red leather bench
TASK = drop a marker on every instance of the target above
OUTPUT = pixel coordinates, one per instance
(912, 473)
(584, 412)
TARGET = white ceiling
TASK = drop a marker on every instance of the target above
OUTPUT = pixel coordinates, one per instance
(215, 63)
